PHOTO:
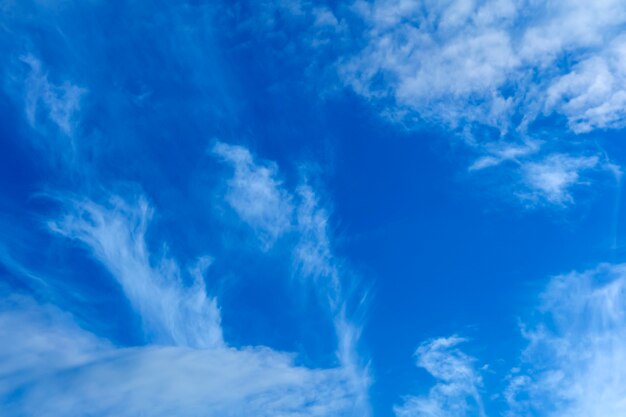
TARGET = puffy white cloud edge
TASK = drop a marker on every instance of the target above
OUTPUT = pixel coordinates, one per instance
(574, 364)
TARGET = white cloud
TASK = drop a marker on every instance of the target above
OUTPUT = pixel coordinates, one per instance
(56, 367)
(456, 392)
(592, 95)
(59, 103)
(314, 259)
(477, 65)
(255, 192)
(173, 312)
(52, 367)
(261, 200)
(499, 152)
(575, 363)
(313, 255)
(552, 178)
(489, 61)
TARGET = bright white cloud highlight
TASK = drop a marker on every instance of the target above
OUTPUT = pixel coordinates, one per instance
(457, 390)
(575, 363)
(489, 61)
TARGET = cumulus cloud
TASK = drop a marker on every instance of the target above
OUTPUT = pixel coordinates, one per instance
(575, 362)
(506, 76)
(457, 390)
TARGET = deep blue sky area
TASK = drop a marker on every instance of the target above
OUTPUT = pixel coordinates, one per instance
(381, 208)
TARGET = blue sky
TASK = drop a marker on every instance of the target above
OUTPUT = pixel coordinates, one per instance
(294, 208)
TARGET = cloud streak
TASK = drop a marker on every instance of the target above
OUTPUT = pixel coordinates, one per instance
(46, 101)
(258, 195)
(114, 234)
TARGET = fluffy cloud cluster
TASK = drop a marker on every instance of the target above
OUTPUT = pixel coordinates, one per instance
(489, 61)
(500, 64)
(515, 79)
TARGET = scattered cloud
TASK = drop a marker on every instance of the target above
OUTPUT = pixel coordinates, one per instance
(260, 198)
(575, 362)
(553, 178)
(115, 235)
(457, 390)
(44, 100)
(489, 69)
(54, 367)
(255, 193)
(500, 152)
(186, 367)
(492, 61)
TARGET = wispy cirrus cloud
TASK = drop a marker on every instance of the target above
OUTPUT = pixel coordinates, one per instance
(257, 193)
(456, 392)
(173, 312)
(46, 101)
(186, 367)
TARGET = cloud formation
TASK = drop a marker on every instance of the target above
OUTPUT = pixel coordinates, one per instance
(497, 64)
(552, 178)
(258, 195)
(457, 390)
(488, 61)
(255, 193)
(172, 312)
(575, 362)
(46, 101)
(54, 367)
(186, 368)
